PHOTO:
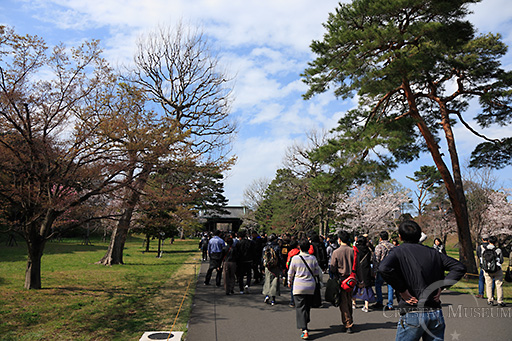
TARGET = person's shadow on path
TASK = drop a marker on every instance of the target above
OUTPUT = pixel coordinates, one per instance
(338, 329)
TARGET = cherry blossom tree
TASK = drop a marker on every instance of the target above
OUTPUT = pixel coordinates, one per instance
(497, 217)
(367, 209)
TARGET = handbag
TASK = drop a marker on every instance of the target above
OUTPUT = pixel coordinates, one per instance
(317, 297)
(350, 282)
(362, 284)
(508, 275)
(332, 291)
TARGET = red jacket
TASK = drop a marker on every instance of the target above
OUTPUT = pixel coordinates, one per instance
(294, 252)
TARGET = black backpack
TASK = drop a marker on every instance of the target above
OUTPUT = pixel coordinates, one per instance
(490, 260)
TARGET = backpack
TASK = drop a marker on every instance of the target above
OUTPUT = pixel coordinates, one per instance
(284, 249)
(269, 257)
(489, 260)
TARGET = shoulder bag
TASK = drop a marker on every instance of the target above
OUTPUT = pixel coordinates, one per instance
(508, 275)
(350, 282)
(317, 297)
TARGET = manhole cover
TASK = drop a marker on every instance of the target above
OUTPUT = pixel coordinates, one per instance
(160, 336)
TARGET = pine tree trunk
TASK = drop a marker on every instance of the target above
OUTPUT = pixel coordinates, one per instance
(453, 185)
(458, 202)
(466, 252)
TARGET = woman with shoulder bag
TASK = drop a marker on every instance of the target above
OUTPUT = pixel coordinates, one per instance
(363, 290)
(303, 276)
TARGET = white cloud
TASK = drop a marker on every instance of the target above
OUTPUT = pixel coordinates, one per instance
(491, 15)
(257, 158)
(264, 43)
(291, 23)
(270, 113)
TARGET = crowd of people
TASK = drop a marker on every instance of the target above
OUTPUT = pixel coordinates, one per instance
(410, 270)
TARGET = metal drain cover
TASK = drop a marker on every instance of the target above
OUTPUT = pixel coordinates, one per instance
(161, 335)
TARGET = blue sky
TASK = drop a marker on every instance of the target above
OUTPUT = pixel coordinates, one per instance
(264, 44)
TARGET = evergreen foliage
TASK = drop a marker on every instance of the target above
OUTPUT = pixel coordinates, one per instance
(415, 66)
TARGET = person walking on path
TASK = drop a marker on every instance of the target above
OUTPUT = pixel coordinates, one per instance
(272, 285)
(341, 265)
(363, 290)
(215, 246)
(203, 246)
(256, 261)
(332, 245)
(301, 278)
(284, 245)
(320, 251)
(491, 260)
(417, 273)
(244, 254)
(381, 251)
(229, 266)
(481, 277)
(294, 250)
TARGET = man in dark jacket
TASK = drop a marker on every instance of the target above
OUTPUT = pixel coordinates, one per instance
(257, 267)
(416, 272)
(244, 254)
(320, 251)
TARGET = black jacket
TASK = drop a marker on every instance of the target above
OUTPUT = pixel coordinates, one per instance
(364, 265)
(419, 269)
(244, 251)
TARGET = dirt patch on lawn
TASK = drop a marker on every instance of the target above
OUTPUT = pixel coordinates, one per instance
(175, 297)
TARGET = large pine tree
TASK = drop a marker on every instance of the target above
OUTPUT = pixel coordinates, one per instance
(415, 65)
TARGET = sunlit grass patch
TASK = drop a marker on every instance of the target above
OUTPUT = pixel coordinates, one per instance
(82, 300)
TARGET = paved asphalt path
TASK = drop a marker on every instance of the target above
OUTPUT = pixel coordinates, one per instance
(218, 317)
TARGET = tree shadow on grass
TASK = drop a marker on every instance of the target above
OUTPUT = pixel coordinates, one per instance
(165, 252)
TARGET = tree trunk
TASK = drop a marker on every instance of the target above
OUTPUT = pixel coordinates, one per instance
(158, 255)
(33, 271)
(114, 253)
(466, 252)
(36, 236)
(115, 249)
(324, 227)
(147, 242)
(453, 186)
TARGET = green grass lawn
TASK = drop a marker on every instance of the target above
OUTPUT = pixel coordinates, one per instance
(81, 300)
